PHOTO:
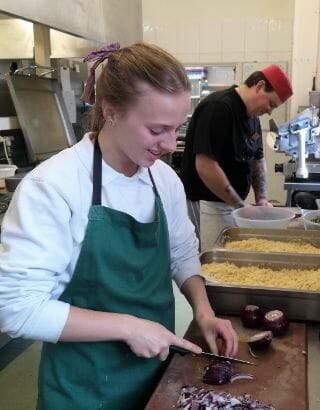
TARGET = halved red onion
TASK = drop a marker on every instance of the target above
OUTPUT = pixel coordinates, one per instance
(260, 341)
(218, 372)
(251, 316)
(276, 321)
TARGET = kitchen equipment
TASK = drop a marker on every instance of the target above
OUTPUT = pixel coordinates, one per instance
(6, 170)
(230, 299)
(12, 182)
(308, 220)
(42, 115)
(300, 140)
(282, 235)
(262, 217)
(182, 351)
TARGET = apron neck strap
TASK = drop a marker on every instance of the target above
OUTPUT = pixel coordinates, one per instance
(97, 174)
(153, 183)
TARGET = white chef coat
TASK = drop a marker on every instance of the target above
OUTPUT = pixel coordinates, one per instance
(43, 230)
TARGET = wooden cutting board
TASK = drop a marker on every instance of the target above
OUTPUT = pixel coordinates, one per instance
(280, 374)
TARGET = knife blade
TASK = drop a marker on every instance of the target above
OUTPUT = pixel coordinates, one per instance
(182, 351)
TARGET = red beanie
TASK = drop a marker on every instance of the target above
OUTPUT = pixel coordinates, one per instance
(279, 81)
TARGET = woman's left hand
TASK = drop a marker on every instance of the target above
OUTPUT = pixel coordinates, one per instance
(213, 328)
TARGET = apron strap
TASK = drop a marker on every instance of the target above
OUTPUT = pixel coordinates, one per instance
(97, 173)
(153, 183)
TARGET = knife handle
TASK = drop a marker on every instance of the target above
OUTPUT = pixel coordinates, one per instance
(177, 349)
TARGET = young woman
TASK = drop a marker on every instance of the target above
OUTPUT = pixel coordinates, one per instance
(94, 237)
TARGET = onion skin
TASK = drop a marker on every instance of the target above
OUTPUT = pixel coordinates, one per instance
(276, 321)
(260, 341)
(218, 372)
(251, 316)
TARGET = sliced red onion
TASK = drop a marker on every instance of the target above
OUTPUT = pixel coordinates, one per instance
(260, 341)
(195, 399)
(241, 376)
(276, 321)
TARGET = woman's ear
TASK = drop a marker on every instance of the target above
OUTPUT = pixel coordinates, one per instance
(107, 109)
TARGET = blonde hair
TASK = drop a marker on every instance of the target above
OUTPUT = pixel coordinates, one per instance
(130, 66)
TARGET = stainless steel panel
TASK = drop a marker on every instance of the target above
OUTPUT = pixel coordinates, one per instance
(230, 299)
(42, 115)
(283, 235)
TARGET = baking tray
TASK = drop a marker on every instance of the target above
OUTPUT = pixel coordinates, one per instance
(283, 235)
(230, 299)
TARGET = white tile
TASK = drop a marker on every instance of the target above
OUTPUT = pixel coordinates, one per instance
(233, 37)
(229, 57)
(188, 58)
(251, 55)
(210, 35)
(149, 33)
(209, 58)
(187, 38)
(166, 37)
(279, 56)
(280, 35)
(256, 35)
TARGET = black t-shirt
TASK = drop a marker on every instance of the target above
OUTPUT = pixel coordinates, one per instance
(221, 129)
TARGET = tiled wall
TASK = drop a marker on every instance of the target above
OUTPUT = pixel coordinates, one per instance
(224, 41)
(221, 31)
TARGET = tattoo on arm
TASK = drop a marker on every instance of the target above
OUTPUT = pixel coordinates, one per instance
(234, 199)
(259, 179)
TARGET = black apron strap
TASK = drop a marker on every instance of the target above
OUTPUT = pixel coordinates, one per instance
(153, 183)
(97, 173)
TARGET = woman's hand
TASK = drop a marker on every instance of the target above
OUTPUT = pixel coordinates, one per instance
(213, 328)
(150, 339)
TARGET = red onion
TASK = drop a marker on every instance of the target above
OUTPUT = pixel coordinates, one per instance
(241, 376)
(260, 341)
(193, 398)
(276, 321)
(251, 316)
(218, 372)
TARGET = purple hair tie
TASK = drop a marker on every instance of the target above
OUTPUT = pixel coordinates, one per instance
(99, 55)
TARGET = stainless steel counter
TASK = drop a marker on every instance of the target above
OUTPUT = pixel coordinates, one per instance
(313, 328)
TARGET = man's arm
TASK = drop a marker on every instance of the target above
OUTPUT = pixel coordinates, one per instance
(216, 180)
(260, 182)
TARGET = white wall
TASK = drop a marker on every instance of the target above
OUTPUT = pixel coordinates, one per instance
(221, 31)
(305, 54)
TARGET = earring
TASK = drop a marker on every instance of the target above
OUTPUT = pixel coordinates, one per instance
(110, 122)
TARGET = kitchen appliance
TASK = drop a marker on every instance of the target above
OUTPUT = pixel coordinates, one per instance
(42, 115)
(300, 140)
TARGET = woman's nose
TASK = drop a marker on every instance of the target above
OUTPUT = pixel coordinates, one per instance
(170, 143)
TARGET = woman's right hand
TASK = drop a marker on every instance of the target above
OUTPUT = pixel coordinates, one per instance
(150, 339)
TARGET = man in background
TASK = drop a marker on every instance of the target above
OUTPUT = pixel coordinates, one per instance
(223, 154)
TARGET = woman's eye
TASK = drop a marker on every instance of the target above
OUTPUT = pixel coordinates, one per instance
(156, 132)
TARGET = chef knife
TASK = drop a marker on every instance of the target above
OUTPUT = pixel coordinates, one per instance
(182, 351)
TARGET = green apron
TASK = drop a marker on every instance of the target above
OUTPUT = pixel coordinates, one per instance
(123, 267)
